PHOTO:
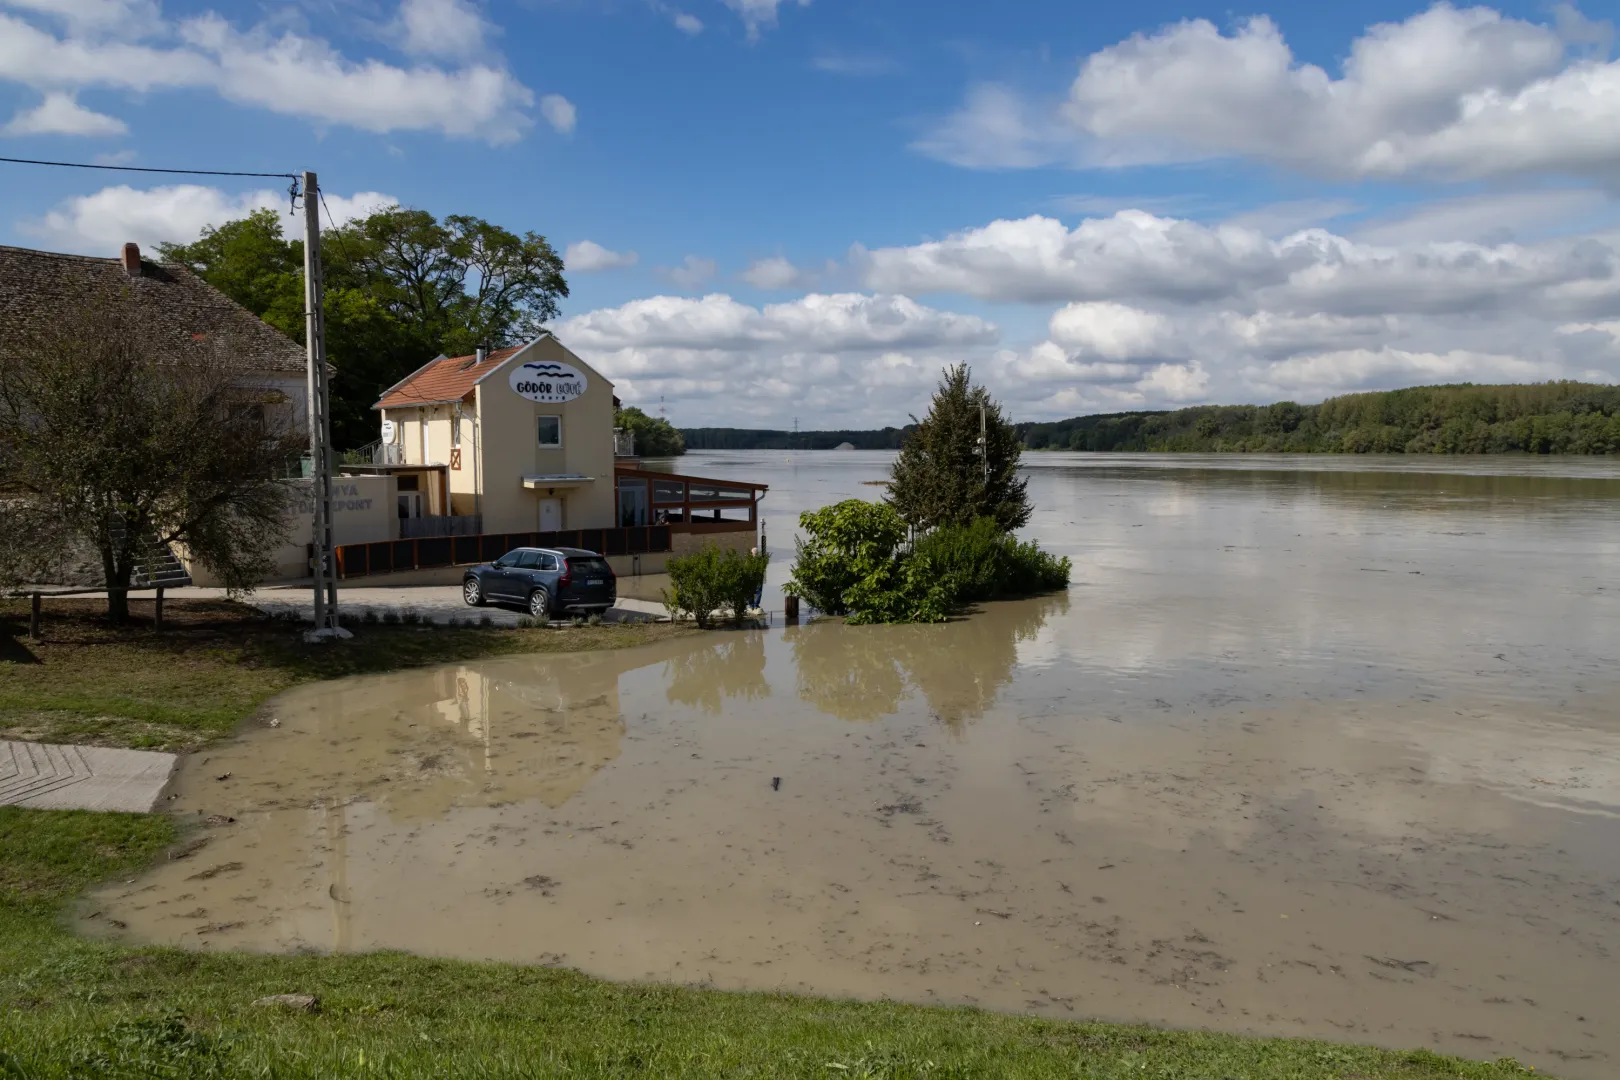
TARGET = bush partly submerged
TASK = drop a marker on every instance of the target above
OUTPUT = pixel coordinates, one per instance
(712, 582)
(854, 561)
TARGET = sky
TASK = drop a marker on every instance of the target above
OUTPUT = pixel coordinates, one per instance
(802, 210)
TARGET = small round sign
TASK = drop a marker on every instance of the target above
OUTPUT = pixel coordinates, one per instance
(548, 382)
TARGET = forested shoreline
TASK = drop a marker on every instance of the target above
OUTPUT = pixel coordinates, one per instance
(1463, 418)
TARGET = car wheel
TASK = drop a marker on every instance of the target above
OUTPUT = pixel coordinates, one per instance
(540, 605)
(472, 593)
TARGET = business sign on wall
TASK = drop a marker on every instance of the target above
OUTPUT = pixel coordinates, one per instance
(547, 382)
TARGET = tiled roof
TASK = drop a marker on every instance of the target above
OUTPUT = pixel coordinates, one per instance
(445, 379)
(39, 289)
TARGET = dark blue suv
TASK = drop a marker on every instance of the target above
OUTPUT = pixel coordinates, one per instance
(548, 581)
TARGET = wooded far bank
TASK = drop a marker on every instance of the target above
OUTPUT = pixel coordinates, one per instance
(1535, 418)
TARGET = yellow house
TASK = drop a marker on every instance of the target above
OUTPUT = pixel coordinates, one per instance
(518, 447)
(521, 439)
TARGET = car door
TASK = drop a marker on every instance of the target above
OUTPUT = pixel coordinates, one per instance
(496, 581)
(528, 574)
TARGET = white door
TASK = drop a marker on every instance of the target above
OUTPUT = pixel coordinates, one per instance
(550, 515)
(410, 504)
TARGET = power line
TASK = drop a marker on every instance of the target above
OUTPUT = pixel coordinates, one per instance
(140, 168)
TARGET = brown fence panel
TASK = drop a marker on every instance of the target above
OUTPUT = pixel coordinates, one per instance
(613, 542)
(402, 554)
(659, 538)
(465, 549)
(433, 551)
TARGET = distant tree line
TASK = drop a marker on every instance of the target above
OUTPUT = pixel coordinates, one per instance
(1538, 418)
(889, 438)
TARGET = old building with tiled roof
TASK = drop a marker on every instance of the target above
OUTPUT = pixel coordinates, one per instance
(39, 289)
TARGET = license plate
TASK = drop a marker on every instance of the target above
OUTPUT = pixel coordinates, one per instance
(593, 581)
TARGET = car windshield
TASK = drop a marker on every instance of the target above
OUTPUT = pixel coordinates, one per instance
(591, 564)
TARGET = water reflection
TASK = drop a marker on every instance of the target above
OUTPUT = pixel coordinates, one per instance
(959, 667)
(704, 677)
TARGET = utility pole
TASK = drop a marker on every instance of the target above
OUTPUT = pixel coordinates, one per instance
(984, 446)
(320, 423)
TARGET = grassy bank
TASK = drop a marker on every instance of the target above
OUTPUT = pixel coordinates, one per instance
(212, 665)
(73, 1007)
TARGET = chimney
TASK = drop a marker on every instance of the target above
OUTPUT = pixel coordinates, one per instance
(482, 355)
(132, 259)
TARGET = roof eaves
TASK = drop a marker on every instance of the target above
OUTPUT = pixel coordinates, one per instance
(408, 378)
(519, 351)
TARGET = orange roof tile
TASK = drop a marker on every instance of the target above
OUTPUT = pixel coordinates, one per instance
(450, 379)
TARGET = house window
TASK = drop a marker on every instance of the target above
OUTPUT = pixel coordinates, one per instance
(455, 431)
(550, 432)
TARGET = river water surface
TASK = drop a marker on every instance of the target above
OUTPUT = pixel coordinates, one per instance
(1318, 746)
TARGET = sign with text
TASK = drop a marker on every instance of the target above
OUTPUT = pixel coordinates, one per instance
(547, 382)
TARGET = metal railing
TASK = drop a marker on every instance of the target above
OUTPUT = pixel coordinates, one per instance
(433, 552)
(624, 442)
(375, 452)
(441, 525)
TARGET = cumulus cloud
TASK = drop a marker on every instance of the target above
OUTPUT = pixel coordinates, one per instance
(589, 257)
(1452, 92)
(60, 114)
(857, 355)
(759, 14)
(448, 28)
(283, 72)
(98, 224)
(774, 273)
(688, 24)
(559, 113)
(693, 271)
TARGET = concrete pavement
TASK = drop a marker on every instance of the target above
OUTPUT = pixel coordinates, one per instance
(46, 776)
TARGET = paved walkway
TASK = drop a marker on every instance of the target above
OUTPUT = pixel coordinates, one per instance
(50, 777)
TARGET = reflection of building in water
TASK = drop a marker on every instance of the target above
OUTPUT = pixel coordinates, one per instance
(959, 667)
(539, 733)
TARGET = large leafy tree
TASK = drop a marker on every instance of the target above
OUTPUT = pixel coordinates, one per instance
(401, 287)
(111, 440)
(943, 476)
(654, 436)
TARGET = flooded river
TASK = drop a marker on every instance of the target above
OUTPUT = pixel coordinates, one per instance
(1312, 746)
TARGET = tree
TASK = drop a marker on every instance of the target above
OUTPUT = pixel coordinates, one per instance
(941, 476)
(110, 440)
(654, 436)
(401, 287)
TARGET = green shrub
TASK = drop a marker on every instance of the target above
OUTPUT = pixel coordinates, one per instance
(711, 581)
(984, 563)
(853, 562)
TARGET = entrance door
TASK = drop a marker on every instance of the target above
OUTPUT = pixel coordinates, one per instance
(632, 502)
(410, 504)
(550, 515)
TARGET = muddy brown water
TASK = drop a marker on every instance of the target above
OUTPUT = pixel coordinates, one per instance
(1305, 750)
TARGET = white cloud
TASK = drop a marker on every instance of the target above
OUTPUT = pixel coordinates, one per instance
(758, 14)
(60, 114)
(1322, 375)
(1452, 92)
(1281, 218)
(855, 64)
(97, 17)
(692, 273)
(449, 28)
(1109, 330)
(774, 273)
(1135, 256)
(588, 257)
(1495, 218)
(688, 24)
(866, 359)
(98, 224)
(286, 73)
(559, 113)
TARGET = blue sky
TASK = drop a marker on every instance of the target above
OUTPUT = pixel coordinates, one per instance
(779, 208)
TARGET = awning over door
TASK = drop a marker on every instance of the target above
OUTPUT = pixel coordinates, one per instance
(557, 480)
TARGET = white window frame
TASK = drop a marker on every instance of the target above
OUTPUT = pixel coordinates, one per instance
(545, 445)
(455, 431)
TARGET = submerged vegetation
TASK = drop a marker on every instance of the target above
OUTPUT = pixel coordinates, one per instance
(943, 537)
(712, 582)
(1539, 418)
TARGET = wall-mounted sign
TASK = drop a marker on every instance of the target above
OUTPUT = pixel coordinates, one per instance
(547, 382)
(388, 431)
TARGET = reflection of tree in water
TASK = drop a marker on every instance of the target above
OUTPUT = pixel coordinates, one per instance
(959, 667)
(733, 667)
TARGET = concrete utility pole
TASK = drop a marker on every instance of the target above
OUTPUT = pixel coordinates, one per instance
(320, 423)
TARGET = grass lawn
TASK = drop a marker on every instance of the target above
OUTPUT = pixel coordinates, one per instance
(75, 1007)
(213, 664)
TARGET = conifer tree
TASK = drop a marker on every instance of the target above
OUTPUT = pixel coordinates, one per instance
(942, 477)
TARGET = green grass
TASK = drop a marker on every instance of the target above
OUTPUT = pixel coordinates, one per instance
(76, 1007)
(213, 665)
(73, 1006)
